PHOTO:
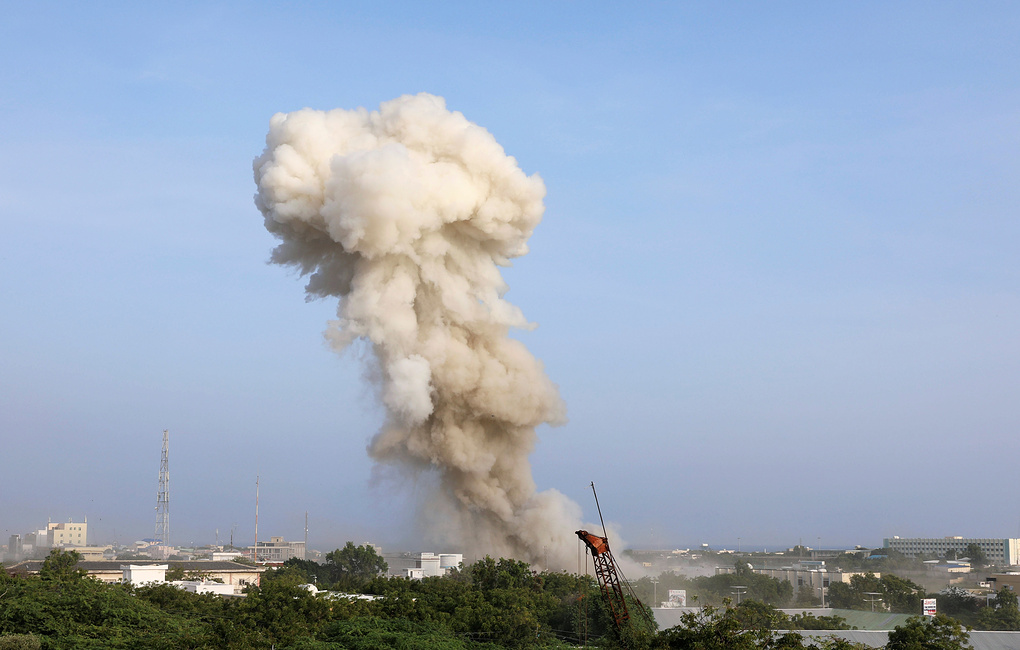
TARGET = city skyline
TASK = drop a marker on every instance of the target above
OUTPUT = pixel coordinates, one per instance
(933, 546)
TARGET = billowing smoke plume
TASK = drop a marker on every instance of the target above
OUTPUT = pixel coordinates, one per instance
(406, 214)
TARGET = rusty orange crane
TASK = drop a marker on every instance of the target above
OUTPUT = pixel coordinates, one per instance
(605, 570)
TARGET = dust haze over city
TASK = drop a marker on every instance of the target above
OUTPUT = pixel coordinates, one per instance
(769, 294)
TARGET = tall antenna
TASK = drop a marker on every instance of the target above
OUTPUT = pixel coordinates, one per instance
(162, 534)
(255, 555)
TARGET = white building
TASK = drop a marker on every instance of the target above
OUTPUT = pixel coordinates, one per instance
(450, 561)
(1001, 552)
(429, 565)
(142, 574)
(424, 565)
(205, 587)
(35, 544)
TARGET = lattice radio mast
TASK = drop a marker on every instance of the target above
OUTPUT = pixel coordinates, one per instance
(163, 495)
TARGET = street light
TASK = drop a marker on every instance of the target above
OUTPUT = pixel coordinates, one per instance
(655, 592)
(873, 599)
(738, 592)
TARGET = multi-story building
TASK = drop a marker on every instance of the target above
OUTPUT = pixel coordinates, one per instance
(14, 549)
(67, 534)
(1001, 552)
(276, 550)
(39, 542)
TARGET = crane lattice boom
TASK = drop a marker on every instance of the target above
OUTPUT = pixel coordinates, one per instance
(609, 579)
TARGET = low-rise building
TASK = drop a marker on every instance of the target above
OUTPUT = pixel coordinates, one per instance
(95, 552)
(951, 567)
(1009, 580)
(424, 564)
(205, 587)
(142, 574)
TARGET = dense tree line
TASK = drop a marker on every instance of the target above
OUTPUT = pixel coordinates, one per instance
(486, 605)
(894, 594)
(718, 589)
(345, 569)
(1002, 614)
(489, 604)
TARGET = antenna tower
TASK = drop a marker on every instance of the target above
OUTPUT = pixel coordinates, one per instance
(255, 552)
(163, 495)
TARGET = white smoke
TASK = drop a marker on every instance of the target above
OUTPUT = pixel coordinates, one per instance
(405, 215)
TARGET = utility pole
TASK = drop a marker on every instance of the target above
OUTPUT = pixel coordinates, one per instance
(162, 534)
(875, 597)
(738, 589)
(255, 553)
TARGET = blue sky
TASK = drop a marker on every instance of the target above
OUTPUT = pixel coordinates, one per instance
(776, 282)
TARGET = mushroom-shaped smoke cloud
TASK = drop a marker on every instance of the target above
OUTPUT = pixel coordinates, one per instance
(405, 215)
